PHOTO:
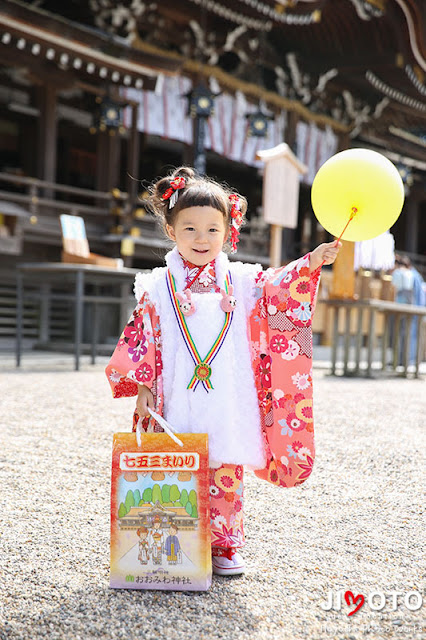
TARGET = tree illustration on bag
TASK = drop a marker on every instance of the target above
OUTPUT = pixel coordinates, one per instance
(165, 493)
(156, 494)
(184, 497)
(122, 511)
(147, 495)
(174, 493)
(130, 500)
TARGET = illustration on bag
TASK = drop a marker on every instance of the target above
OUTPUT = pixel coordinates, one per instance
(160, 534)
(155, 513)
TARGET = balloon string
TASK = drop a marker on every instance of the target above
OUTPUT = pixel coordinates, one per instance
(351, 217)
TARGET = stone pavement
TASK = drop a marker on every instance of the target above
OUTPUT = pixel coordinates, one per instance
(355, 525)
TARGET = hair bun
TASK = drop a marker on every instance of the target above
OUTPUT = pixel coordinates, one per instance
(184, 172)
(164, 183)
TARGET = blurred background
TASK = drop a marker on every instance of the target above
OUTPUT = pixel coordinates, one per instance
(99, 98)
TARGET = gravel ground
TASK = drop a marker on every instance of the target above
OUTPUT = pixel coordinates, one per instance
(355, 525)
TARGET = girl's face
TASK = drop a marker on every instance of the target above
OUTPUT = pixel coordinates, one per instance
(199, 233)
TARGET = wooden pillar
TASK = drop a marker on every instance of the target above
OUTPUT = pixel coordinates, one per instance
(102, 161)
(114, 150)
(290, 132)
(133, 158)
(343, 285)
(287, 242)
(411, 211)
(276, 242)
(29, 139)
(107, 161)
(199, 129)
(47, 137)
(343, 142)
(306, 230)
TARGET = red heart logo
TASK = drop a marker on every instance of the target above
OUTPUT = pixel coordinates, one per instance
(351, 599)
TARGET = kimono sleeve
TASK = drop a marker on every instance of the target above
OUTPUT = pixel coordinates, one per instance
(137, 357)
(281, 342)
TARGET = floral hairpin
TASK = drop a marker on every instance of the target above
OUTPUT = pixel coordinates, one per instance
(236, 220)
(171, 194)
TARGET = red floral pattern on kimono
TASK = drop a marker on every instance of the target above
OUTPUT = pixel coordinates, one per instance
(205, 281)
(137, 358)
(281, 341)
(226, 506)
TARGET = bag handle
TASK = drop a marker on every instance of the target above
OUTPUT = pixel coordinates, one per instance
(163, 423)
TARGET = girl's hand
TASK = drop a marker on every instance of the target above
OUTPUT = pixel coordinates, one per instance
(325, 253)
(145, 400)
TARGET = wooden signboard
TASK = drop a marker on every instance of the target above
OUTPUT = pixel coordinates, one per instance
(74, 239)
(76, 246)
(281, 185)
(280, 193)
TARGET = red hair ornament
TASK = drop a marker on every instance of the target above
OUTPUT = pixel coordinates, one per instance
(236, 220)
(171, 193)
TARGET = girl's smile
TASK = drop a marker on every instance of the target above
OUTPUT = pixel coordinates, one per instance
(199, 233)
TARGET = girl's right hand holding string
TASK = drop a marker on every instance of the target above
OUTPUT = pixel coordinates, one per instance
(145, 400)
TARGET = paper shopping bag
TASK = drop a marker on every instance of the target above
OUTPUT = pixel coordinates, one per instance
(160, 515)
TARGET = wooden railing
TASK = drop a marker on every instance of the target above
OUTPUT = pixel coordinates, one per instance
(41, 193)
(396, 341)
(41, 197)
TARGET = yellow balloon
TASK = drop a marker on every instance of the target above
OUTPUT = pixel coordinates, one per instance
(361, 182)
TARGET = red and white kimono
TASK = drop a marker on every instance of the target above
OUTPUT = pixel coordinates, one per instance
(259, 412)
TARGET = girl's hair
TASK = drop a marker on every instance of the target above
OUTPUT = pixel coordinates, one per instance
(199, 191)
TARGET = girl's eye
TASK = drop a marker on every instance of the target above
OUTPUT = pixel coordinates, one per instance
(213, 229)
(189, 229)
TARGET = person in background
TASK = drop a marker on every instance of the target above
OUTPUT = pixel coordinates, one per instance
(403, 281)
(419, 299)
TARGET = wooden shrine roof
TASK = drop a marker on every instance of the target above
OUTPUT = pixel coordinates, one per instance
(60, 49)
(358, 63)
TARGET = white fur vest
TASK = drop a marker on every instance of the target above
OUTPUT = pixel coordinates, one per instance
(228, 413)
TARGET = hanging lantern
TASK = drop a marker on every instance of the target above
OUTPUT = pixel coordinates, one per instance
(200, 107)
(258, 124)
(107, 117)
(200, 102)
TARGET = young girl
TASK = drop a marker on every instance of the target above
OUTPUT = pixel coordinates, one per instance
(223, 348)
